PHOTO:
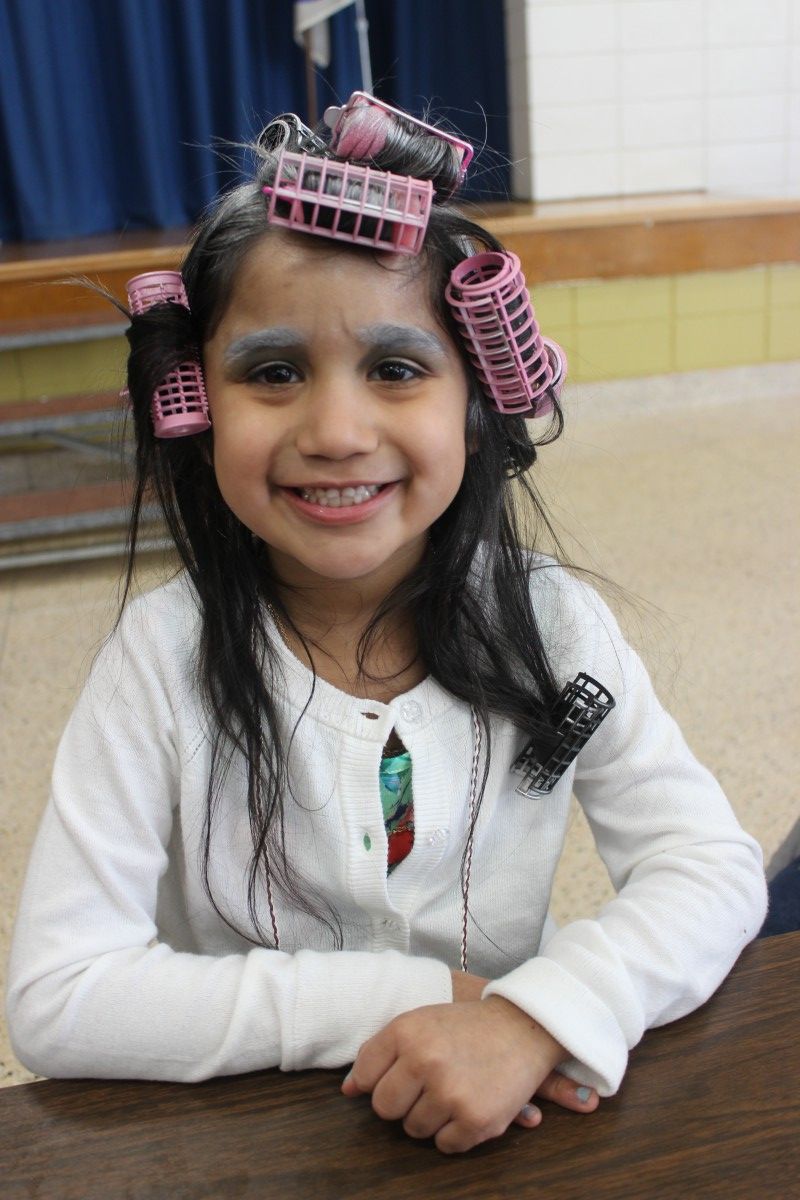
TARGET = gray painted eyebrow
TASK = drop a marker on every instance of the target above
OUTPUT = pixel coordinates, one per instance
(392, 338)
(401, 337)
(277, 338)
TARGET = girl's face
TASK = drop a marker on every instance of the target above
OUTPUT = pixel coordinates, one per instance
(338, 408)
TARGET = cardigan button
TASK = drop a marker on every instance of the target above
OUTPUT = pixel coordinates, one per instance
(411, 711)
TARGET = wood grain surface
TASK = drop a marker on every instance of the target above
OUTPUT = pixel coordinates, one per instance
(709, 1108)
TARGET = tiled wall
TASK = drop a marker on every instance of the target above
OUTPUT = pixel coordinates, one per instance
(625, 97)
(627, 327)
(62, 370)
(610, 329)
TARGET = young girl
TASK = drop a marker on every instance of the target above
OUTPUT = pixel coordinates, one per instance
(308, 809)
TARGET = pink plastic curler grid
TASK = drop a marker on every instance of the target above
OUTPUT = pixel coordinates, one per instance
(180, 403)
(336, 119)
(493, 310)
(349, 203)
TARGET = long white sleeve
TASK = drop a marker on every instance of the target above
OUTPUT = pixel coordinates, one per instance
(690, 883)
(93, 991)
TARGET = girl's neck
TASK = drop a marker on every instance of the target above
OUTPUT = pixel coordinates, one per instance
(391, 665)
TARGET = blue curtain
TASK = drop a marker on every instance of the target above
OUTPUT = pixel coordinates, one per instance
(114, 114)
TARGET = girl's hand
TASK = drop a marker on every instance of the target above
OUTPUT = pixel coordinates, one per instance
(556, 1087)
(460, 1073)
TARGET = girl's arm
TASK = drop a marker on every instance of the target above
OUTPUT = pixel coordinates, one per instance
(93, 990)
(690, 882)
(691, 894)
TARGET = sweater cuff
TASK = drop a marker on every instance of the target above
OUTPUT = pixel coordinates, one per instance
(345, 999)
(574, 1016)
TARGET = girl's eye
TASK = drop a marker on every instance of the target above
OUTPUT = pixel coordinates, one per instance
(277, 374)
(395, 371)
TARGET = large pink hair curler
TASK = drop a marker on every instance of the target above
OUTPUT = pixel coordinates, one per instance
(491, 305)
(180, 403)
(349, 203)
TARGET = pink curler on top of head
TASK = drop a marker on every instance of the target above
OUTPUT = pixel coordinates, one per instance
(360, 128)
(360, 132)
(349, 203)
(179, 405)
(493, 311)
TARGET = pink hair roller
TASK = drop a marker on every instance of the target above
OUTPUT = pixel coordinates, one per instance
(180, 403)
(349, 203)
(360, 127)
(360, 132)
(493, 310)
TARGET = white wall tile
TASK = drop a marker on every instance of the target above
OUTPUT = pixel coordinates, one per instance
(572, 28)
(567, 129)
(794, 68)
(747, 118)
(793, 169)
(565, 176)
(672, 169)
(739, 70)
(627, 96)
(660, 24)
(655, 123)
(574, 79)
(794, 116)
(653, 75)
(748, 168)
(747, 22)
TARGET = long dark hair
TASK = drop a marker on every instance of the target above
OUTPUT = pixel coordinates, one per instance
(468, 599)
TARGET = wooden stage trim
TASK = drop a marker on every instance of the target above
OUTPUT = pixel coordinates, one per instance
(557, 242)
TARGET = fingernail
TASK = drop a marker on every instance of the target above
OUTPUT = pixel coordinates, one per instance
(348, 1077)
(529, 1111)
(584, 1094)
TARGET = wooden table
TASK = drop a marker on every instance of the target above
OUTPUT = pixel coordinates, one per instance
(710, 1107)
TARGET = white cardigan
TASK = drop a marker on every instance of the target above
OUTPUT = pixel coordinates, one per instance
(121, 967)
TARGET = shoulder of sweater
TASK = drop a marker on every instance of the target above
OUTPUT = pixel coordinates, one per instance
(171, 609)
(157, 635)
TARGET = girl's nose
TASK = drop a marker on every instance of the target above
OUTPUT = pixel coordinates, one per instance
(337, 422)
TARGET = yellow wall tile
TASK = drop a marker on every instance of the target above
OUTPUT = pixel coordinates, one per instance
(784, 334)
(554, 305)
(10, 377)
(719, 340)
(72, 367)
(709, 292)
(784, 286)
(623, 349)
(623, 299)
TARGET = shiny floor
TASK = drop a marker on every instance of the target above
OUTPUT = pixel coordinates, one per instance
(684, 490)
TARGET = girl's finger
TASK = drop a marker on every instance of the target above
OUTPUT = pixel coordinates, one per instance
(425, 1118)
(396, 1093)
(529, 1117)
(568, 1093)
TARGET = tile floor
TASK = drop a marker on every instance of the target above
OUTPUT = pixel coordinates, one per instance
(682, 489)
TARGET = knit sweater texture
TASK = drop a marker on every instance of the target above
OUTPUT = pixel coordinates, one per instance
(121, 967)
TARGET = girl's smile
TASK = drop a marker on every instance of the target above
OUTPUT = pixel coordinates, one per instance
(340, 505)
(339, 428)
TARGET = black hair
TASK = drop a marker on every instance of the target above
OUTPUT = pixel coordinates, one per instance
(468, 598)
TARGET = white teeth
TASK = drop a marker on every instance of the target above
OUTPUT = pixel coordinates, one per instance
(340, 497)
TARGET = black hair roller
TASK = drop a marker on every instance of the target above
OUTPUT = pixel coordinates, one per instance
(577, 713)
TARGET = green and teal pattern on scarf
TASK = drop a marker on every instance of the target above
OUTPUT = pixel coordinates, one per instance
(398, 806)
